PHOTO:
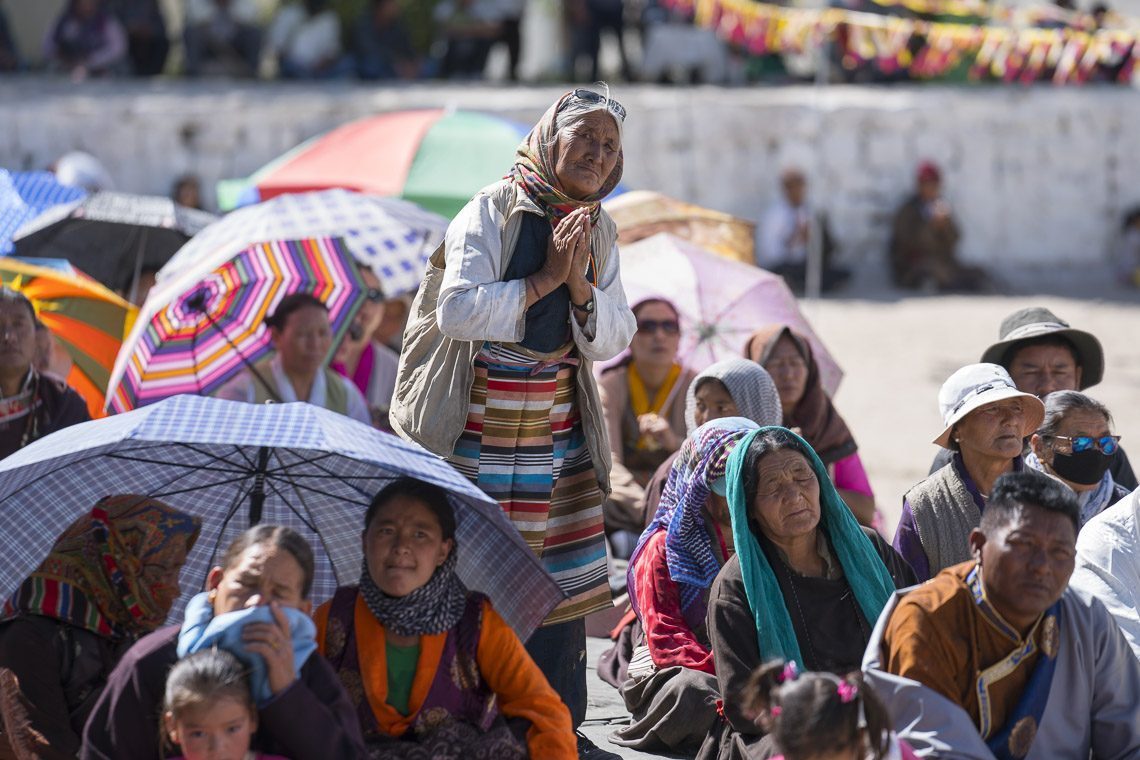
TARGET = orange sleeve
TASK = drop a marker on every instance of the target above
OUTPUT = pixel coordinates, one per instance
(523, 691)
(321, 618)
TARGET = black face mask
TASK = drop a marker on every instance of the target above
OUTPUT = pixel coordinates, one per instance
(1085, 467)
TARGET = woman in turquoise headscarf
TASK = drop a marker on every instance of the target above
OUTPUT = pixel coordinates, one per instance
(807, 582)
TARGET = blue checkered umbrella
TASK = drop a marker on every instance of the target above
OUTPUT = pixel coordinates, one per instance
(234, 465)
(26, 195)
(390, 236)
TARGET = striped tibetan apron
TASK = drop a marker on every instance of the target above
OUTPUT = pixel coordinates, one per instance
(524, 446)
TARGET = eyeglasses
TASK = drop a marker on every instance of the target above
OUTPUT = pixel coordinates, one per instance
(374, 295)
(668, 326)
(590, 96)
(1107, 445)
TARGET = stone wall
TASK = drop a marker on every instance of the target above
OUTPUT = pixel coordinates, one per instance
(1039, 176)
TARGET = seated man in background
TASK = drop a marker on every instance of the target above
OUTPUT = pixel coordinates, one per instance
(786, 237)
(222, 38)
(924, 242)
(303, 42)
(996, 657)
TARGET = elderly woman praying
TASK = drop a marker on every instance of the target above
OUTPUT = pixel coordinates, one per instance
(523, 295)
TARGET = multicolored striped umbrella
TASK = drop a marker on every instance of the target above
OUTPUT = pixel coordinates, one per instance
(390, 236)
(205, 324)
(87, 319)
(437, 158)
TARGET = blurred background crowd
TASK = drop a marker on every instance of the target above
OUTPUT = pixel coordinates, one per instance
(551, 40)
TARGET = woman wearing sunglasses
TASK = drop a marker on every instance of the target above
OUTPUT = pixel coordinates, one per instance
(643, 400)
(1075, 445)
(495, 375)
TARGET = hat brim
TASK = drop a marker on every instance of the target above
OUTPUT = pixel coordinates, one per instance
(1033, 418)
(1090, 354)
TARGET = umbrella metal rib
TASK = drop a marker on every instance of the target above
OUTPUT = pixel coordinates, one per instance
(242, 495)
(310, 522)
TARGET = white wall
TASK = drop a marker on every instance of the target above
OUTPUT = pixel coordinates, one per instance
(1038, 176)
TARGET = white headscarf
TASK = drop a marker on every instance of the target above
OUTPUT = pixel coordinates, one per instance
(750, 386)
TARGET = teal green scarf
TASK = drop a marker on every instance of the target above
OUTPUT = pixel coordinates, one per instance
(862, 566)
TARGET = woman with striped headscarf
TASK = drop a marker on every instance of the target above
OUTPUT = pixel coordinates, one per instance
(671, 672)
(522, 297)
(110, 578)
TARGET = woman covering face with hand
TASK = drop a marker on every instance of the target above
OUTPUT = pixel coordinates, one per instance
(256, 607)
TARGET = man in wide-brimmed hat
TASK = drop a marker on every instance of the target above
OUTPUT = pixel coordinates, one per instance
(1043, 354)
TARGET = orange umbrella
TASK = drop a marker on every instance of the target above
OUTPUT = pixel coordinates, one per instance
(88, 321)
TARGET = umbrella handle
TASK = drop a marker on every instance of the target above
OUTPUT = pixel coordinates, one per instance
(257, 495)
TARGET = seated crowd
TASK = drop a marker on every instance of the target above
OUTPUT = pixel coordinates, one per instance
(768, 615)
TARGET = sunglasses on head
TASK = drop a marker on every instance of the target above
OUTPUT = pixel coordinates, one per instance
(589, 96)
(668, 326)
(1106, 445)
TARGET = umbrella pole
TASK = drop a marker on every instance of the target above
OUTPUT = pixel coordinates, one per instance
(257, 495)
(198, 301)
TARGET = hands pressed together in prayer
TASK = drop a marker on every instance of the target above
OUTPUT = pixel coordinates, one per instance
(567, 259)
(274, 642)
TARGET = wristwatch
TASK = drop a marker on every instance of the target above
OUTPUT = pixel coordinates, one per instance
(586, 308)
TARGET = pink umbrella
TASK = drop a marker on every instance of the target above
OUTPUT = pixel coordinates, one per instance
(721, 301)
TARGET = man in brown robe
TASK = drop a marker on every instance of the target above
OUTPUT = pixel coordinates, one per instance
(1035, 671)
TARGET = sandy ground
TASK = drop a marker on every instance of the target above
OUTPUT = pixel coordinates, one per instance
(897, 351)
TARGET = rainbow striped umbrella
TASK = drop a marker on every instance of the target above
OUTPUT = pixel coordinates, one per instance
(206, 323)
(87, 319)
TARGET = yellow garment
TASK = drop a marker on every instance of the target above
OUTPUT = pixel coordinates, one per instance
(639, 398)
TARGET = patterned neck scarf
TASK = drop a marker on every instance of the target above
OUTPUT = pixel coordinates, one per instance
(96, 575)
(434, 607)
(534, 171)
(702, 460)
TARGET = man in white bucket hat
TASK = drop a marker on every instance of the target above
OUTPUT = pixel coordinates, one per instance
(985, 422)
